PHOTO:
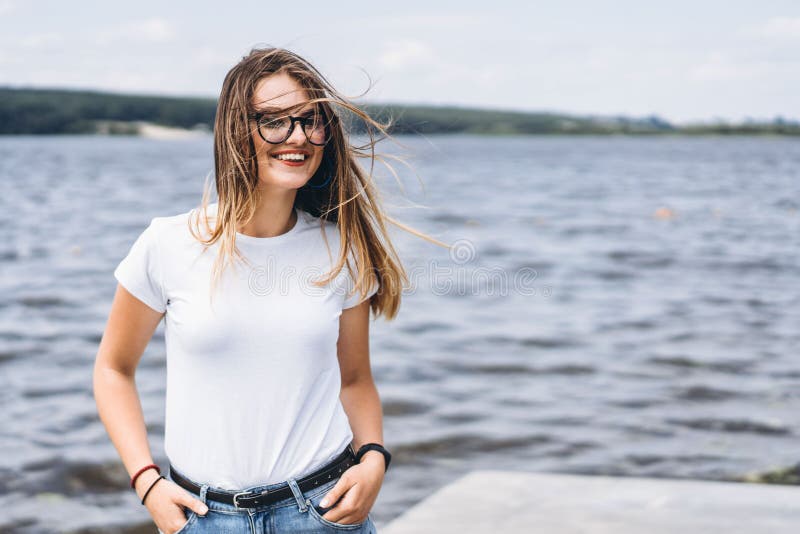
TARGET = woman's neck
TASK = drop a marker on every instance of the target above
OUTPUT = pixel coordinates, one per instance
(271, 219)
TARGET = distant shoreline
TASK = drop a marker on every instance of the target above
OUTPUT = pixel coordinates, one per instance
(149, 130)
(57, 111)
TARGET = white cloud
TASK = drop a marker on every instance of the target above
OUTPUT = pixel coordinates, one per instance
(448, 22)
(41, 40)
(155, 30)
(399, 55)
(211, 56)
(778, 28)
(6, 6)
(152, 30)
(718, 66)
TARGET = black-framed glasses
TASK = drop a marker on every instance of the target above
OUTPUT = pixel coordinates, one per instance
(277, 129)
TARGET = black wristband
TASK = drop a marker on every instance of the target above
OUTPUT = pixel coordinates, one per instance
(151, 487)
(374, 447)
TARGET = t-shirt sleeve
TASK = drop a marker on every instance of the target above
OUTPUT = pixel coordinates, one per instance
(140, 271)
(354, 298)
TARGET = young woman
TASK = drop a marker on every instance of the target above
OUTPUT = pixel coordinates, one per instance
(273, 422)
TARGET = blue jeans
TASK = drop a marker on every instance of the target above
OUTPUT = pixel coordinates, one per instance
(299, 513)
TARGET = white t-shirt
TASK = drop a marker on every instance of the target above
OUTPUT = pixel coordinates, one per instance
(253, 378)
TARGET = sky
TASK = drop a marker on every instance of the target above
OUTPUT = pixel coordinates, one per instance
(685, 61)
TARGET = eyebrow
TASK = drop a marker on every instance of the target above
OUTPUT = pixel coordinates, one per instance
(277, 110)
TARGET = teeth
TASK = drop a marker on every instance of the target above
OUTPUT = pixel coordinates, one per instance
(295, 157)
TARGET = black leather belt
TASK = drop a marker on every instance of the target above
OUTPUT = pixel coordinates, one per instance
(247, 499)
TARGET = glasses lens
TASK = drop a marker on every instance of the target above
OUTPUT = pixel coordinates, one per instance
(274, 129)
(315, 128)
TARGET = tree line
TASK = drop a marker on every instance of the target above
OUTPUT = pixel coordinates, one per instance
(58, 111)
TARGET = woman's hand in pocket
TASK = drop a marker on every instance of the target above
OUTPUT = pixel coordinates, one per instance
(356, 491)
(166, 502)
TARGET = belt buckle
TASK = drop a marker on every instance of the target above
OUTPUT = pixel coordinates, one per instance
(248, 493)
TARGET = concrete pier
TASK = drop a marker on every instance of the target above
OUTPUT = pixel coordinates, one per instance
(548, 503)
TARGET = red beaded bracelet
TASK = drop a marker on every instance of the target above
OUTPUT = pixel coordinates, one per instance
(142, 470)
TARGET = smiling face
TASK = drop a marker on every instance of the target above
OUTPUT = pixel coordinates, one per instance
(281, 91)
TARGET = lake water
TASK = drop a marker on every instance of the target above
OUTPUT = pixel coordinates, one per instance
(613, 305)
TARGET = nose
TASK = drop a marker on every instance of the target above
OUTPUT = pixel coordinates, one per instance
(297, 137)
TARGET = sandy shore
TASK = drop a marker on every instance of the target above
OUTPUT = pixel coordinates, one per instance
(155, 131)
(148, 129)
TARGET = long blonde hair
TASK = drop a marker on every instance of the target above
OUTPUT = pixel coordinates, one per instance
(351, 199)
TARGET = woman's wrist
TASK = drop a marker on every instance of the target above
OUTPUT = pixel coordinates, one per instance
(374, 447)
(374, 458)
(145, 480)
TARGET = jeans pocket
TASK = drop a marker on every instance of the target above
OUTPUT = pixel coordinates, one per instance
(191, 517)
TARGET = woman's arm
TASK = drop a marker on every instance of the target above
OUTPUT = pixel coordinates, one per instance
(362, 404)
(359, 395)
(130, 327)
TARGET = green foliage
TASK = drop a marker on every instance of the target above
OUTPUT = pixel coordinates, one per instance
(54, 111)
(786, 475)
